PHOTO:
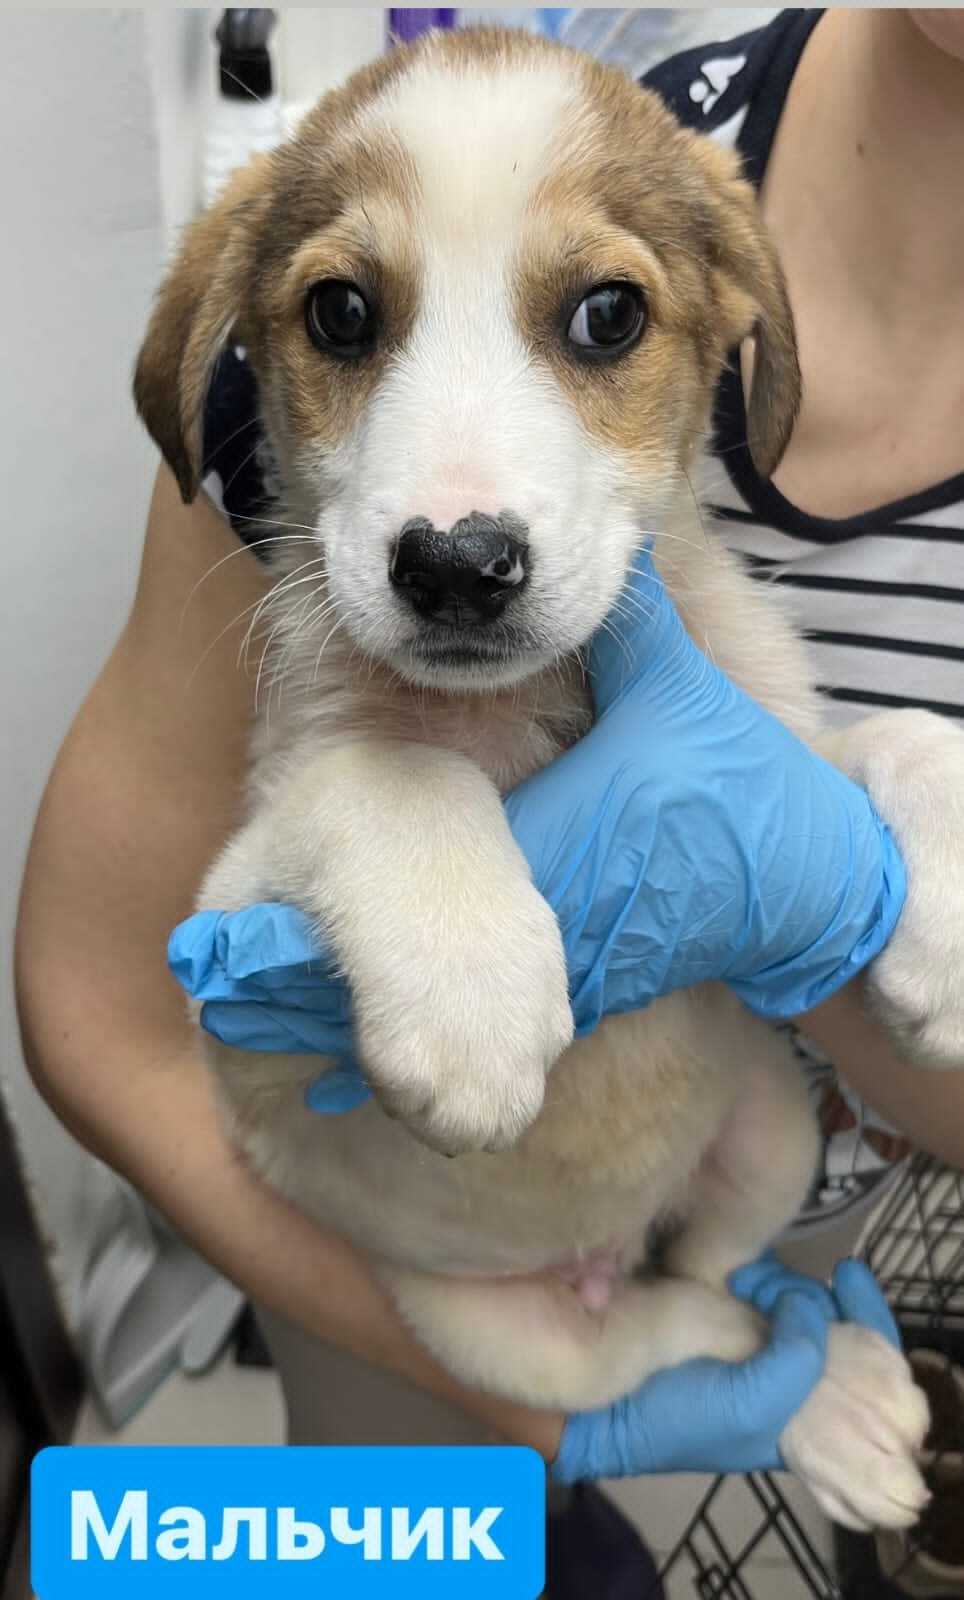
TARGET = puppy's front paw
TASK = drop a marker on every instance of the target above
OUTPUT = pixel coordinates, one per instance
(855, 1439)
(458, 1044)
(912, 764)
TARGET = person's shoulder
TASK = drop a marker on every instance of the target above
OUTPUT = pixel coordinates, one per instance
(712, 85)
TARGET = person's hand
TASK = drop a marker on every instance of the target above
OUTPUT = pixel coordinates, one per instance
(266, 985)
(718, 1416)
(691, 836)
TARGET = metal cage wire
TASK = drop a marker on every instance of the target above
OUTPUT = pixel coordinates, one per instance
(914, 1244)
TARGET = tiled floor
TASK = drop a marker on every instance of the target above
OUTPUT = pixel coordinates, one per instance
(228, 1405)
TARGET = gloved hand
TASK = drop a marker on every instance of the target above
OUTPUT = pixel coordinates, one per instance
(691, 836)
(266, 986)
(717, 1416)
(688, 836)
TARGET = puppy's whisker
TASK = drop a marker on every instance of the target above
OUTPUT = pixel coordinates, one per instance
(256, 605)
(250, 638)
(661, 534)
(208, 465)
(283, 584)
(261, 665)
(232, 556)
(241, 84)
(697, 506)
(607, 627)
(292, 580)
(300, 620)
(281, 597)
(647, 576)
(324, 645)
(276, 522)
(632, 597)
(299, 614)
(311, 618)
(240, 468)
(633, 608)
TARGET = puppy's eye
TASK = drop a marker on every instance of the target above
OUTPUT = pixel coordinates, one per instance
(609, 319)
(339, 318)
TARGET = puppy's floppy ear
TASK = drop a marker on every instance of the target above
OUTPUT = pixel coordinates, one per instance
(753, 298)
(199, 304)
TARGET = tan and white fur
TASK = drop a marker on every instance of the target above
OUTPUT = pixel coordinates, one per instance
(475, 185)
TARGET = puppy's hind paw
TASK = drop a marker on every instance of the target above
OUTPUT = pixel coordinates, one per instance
(855, 1441)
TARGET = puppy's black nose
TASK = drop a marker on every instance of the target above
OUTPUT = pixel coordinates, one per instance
(466, 576)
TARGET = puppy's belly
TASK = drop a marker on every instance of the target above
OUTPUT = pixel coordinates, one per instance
(628, 1113)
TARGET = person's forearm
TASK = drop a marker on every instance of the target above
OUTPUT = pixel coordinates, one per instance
(925, 1104)
(163, 1134)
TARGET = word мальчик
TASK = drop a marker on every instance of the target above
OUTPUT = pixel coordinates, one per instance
(181, 1533)
(199, 1523)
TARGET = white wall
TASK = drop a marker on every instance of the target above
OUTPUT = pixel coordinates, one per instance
(81, 247)
(318, 46)
(181, 61)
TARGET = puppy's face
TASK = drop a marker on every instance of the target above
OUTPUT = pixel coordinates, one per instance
(486, 291)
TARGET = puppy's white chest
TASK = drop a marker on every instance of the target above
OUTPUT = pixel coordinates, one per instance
(513, 735)
(509, 733)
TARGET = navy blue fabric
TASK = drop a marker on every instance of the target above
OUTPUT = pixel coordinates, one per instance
(760, 84)
(233, 438)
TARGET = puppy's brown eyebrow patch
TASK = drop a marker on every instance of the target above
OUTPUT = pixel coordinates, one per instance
(369, 243)
(348, 216)
(629, 184)
(335, 192)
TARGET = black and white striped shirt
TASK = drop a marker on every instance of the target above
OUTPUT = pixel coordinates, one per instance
(881, 594)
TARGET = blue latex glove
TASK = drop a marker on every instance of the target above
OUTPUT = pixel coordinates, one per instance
(691, 836)
(265, 986)
(717, 1416)
(688, 836)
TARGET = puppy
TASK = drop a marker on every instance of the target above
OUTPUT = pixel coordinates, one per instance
(487, 289)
